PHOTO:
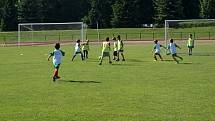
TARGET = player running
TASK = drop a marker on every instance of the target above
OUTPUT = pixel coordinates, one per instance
(172, 48)
(77, 50)
(57, 54)
(157, 50)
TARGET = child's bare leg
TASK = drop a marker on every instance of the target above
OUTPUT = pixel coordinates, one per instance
(73, 57)
(160, 57)
(109, 59)
(179, 57)
(117, 56)
(123, 58)
(86, 54)
(82, 58)
(101, 60)
(175, 59)
(155, 57)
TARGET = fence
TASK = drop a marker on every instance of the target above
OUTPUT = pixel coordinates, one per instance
(5, 39)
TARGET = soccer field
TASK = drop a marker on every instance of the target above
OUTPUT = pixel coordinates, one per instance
(138, 89)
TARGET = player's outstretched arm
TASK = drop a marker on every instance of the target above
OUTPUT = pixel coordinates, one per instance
(163, 47)
(50, 55)
(63, 53)
(178, 46)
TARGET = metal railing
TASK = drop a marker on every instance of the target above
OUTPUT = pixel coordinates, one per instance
(94, 37)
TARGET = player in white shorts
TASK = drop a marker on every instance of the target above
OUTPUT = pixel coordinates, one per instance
(172, 48)
(57, 54)
(77, 50)
(157, 50)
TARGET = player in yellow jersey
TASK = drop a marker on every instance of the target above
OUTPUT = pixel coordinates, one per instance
(115, 48)
(85, 49)
(190, 44)
(105, 50)
(120, 46)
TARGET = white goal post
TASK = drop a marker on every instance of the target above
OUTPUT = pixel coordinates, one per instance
(203, 31)
(45, 33)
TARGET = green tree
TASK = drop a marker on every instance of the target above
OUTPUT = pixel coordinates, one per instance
(30, 11)
(211, 10)
(191, 9)
(8, 15)
(50, 10)
(167, 9)
(100, 11)
(143, 11)
(124, 14)
(117, 14)
(207, 8)
(160, 11)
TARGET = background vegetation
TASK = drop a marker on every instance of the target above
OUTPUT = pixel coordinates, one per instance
(107, 13)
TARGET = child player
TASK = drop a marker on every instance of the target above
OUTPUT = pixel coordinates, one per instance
(157, 47)
(105, 50)
(115, 48)
(120, 50)
(77, 50)
(190, 44)
(57, 54)
(172, 48)
(85, 49)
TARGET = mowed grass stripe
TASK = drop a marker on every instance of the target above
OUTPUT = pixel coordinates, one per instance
(137, 89)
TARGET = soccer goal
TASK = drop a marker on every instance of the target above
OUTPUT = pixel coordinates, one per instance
(48, 33)
(203, 31)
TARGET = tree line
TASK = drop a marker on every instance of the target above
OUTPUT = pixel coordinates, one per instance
(105, 13)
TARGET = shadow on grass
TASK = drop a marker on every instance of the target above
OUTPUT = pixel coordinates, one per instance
(134, 60)
(72, 81)
(168, 60)
(186, 63)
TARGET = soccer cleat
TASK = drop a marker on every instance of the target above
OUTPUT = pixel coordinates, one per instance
(100, 63)
(110, 62)
(58, 77)
(54, 79)
(123, 59)
(155, 60)
(117, 60)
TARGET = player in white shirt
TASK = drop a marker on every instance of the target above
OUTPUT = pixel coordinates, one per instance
(157, 50)
(57, 54)
(172, 48)
(77, 50)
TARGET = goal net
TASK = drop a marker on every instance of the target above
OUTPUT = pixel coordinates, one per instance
(48, 33)
(203, 31)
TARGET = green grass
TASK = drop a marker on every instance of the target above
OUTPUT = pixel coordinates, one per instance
(126, 34)
(135, 90)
